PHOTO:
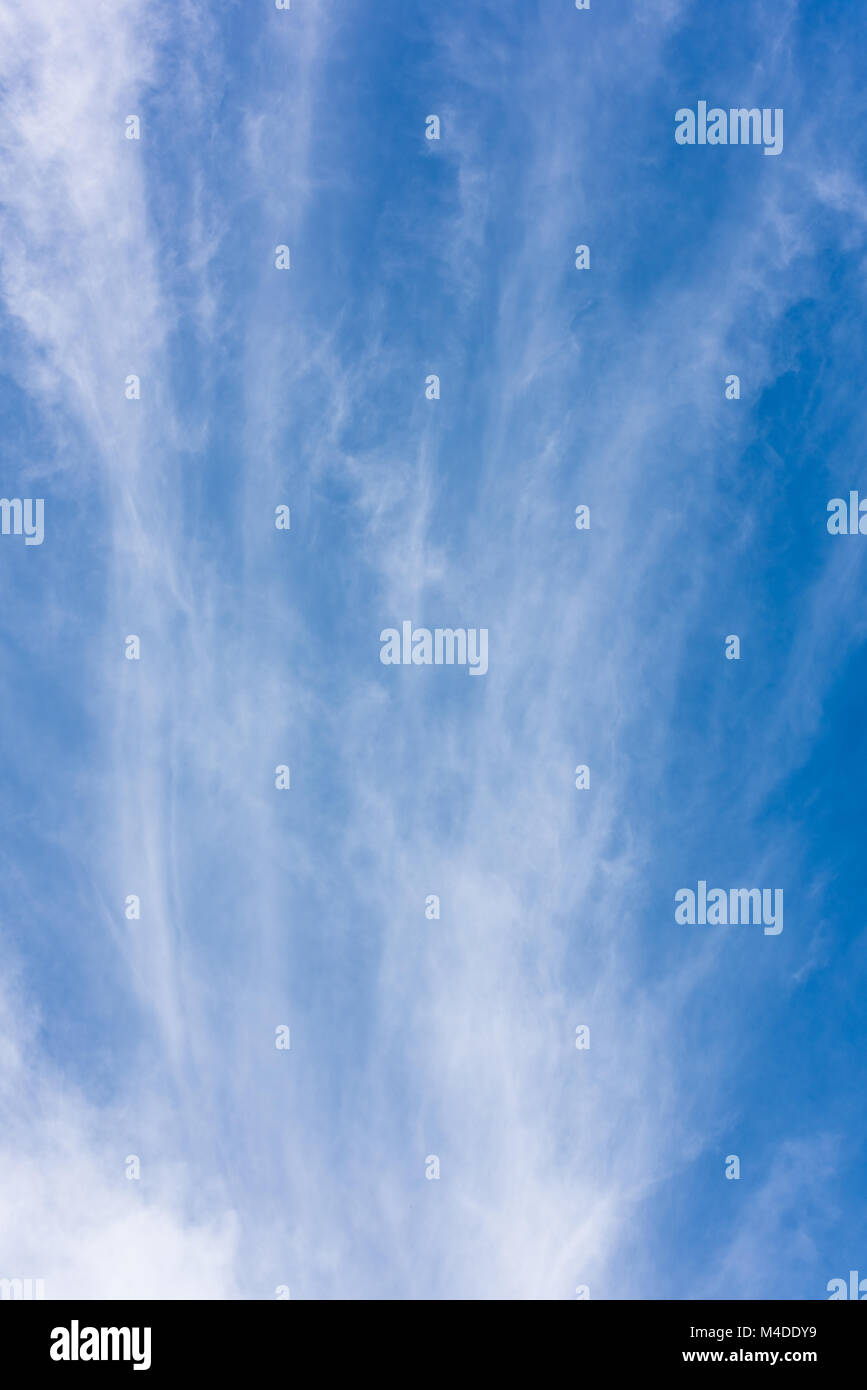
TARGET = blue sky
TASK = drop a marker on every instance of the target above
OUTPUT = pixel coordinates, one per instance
(559, 1167)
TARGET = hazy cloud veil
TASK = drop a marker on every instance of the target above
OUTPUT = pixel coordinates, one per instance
(412, 1036)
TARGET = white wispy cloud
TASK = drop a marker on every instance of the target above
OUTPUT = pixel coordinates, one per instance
(410, 1038)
